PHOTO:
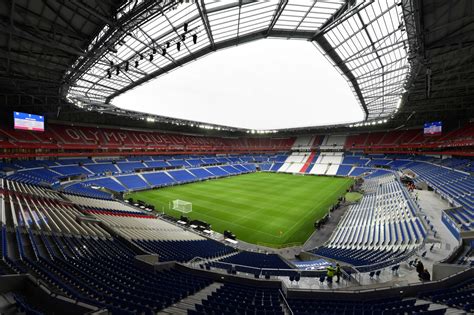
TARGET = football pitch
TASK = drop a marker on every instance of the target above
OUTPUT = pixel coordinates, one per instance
(270, 209)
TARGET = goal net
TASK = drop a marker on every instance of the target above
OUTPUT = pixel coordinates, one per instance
(182, 206)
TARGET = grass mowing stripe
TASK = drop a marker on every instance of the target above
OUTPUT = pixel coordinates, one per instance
(272, 208)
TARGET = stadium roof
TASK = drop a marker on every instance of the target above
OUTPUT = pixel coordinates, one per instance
(53, 49)
(41, 39)
(365, 40)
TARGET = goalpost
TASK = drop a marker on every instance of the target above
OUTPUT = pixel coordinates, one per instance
(182, 206)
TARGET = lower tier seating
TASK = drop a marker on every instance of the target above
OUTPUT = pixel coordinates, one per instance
(103, 273)
(459, 296)
(357, 257)
(185, 250)
(240, 299)
(385, 306)
(24, 307)
(380, 229)
(257, 260)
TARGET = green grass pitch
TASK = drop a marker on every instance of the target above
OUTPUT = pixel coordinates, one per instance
(271, 209)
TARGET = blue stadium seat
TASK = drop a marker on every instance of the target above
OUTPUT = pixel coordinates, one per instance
(132, 181)
(159, 179)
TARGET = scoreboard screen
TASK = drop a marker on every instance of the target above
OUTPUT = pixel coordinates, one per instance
(433, 128)
(25, 121)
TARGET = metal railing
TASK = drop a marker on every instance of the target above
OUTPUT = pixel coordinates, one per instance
(286, 302)
(271, 273)
(384, 264)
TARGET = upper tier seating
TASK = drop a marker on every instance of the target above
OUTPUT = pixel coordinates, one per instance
(61, 137)
(333, 141)
(402, 139)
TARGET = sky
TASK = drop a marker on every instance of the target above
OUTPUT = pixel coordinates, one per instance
(263, 85)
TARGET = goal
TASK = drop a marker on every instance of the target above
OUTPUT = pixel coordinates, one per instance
(182, 206)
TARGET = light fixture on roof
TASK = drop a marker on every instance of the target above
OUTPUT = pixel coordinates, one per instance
(163, 51)
(117, 70)
(109, 74)
(185, 27)
(126, 66)
(151, 57)
(136, 63)
(168, 44)
(178, 46)
(195, 38)
(183, 37)
(154, 50)
(141, 57)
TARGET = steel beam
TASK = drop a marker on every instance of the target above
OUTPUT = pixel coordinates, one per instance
(205, 21)
(206, 50)
(15, 31)
(279, 10)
